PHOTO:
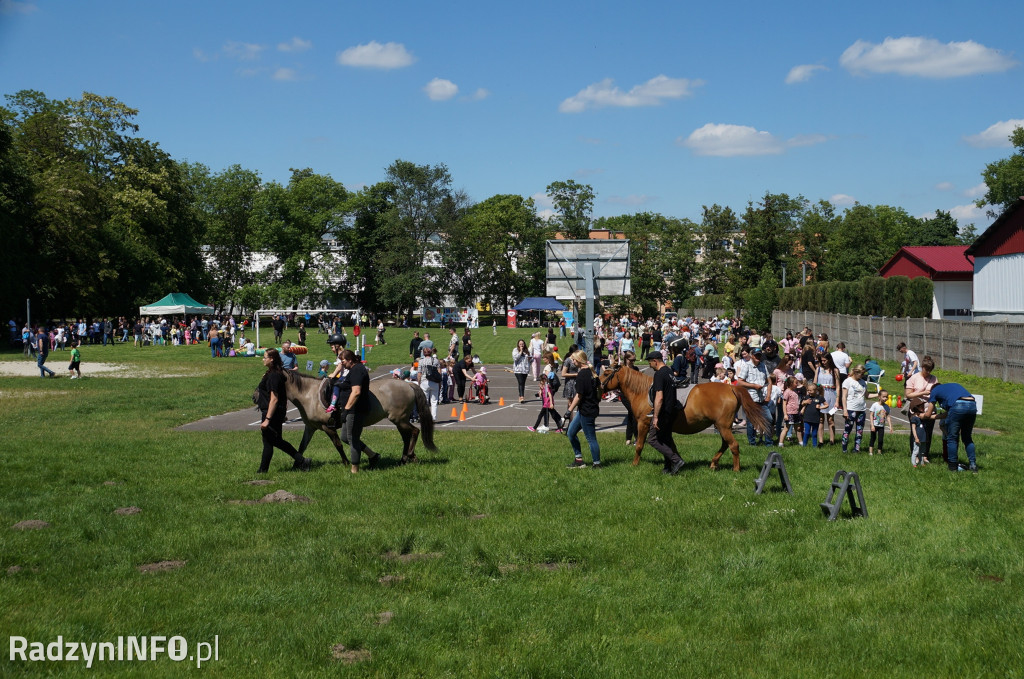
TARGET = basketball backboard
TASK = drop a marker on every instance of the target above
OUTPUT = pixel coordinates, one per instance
(565, 266)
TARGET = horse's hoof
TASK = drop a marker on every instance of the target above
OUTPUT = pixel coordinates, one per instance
(374, 459)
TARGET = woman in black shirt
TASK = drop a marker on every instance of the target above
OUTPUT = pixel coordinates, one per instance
(273, 404)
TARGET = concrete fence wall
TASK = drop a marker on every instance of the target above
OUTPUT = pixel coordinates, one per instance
(983, 349)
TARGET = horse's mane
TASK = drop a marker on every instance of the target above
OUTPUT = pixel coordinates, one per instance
(296, 376)
(635, 380)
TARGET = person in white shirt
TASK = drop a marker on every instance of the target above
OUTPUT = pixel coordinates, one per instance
(911, 364)
(854, 407)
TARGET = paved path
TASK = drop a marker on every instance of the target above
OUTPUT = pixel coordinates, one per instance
(513, 416)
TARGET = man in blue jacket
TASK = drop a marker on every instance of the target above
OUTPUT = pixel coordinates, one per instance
(961, 412)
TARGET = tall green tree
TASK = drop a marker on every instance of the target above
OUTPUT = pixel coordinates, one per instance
(363, 240)
(816, 225)
(942, 229)
(1005, 178)
(719, 232)
(496, 252)
(867, 238)
(227, 201)
(771, 232)
(294, 228)
(17, 226)
(422, 204)
(574, 205)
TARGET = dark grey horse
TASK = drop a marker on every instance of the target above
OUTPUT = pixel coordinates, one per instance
(391, 399)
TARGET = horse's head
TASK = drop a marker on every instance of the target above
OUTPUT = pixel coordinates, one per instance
(610, 378)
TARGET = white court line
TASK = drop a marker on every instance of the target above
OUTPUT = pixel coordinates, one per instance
(290, 410)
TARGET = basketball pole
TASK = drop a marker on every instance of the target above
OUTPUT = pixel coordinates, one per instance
(588, 281)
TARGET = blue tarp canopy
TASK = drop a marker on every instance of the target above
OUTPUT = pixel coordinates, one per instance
(540, 304)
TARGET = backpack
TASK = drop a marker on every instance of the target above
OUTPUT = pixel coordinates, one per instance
(432, 373)
(691, 354)
(554, 382)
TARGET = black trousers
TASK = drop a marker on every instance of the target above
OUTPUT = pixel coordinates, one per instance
(521, 382)
(272, 438)
(661, 440)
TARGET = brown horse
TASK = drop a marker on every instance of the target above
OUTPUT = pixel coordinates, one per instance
(391, 399)
(709, 403)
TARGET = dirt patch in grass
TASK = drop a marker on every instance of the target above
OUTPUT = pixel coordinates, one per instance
(990, 578)
(30, 524)
(259, 482)
(111, 483)
(127, 511)
(477, 517)
(17, 569)
(384, 617)
(349, 656)
(160, 566)
(391, 579)
(271, 498)
(413, 556)
(29, 369)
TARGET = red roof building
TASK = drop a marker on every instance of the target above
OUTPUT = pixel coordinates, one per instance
(950, 269)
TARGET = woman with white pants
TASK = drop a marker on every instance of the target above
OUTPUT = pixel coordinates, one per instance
(430, 388)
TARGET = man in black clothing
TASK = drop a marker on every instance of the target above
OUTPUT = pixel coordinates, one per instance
(354, 393)
(664, 396)
(278, 324)
(414, 346)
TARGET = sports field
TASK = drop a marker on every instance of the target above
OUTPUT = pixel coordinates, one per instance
(489, 558)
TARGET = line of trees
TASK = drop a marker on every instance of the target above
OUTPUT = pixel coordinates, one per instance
(102, 220)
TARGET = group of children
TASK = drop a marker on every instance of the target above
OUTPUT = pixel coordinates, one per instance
(804, 405)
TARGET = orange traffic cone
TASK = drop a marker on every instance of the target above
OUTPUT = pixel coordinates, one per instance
(501, 401)
(465, 407)
(462, 416)
(455, 413)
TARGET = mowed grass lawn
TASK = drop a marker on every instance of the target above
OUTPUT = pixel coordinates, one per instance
(489, 558)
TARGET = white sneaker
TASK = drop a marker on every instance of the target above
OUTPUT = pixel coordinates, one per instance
(74, 377)
(542, 429)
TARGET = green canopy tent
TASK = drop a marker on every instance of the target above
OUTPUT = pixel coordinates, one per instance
(176, 303)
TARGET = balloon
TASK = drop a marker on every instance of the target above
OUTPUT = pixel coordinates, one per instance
(899, 378)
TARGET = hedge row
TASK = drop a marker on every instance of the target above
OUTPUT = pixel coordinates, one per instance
(897, 296)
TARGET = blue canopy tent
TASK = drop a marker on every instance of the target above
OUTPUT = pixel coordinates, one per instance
(540, 304)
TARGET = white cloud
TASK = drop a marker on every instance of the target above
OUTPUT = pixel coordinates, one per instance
(651, 93)
(296, 44)
(547, 214)
(842, 200)
(727, 141)
(944, 186)
(976, 191)
(200, 55)
(543, 201)
(996, 135)
(243, 51)
(12, 7)
(632, 199)
(925, 57)
(967, 213)
(375, 55)
(288, 74)
(479, 95)
(440, 89)
(802, 73)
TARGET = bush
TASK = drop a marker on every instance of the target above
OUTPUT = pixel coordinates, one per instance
(919, 297)
(873, 296)
(896, 296)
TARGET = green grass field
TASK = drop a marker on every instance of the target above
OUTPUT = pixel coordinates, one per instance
(489, 558)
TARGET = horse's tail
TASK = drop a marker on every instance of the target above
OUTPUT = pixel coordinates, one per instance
(426, 419)
(753, 411)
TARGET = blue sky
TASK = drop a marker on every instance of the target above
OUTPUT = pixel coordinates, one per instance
(660, 106)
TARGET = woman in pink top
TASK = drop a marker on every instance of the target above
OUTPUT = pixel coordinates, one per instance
(920, 384)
